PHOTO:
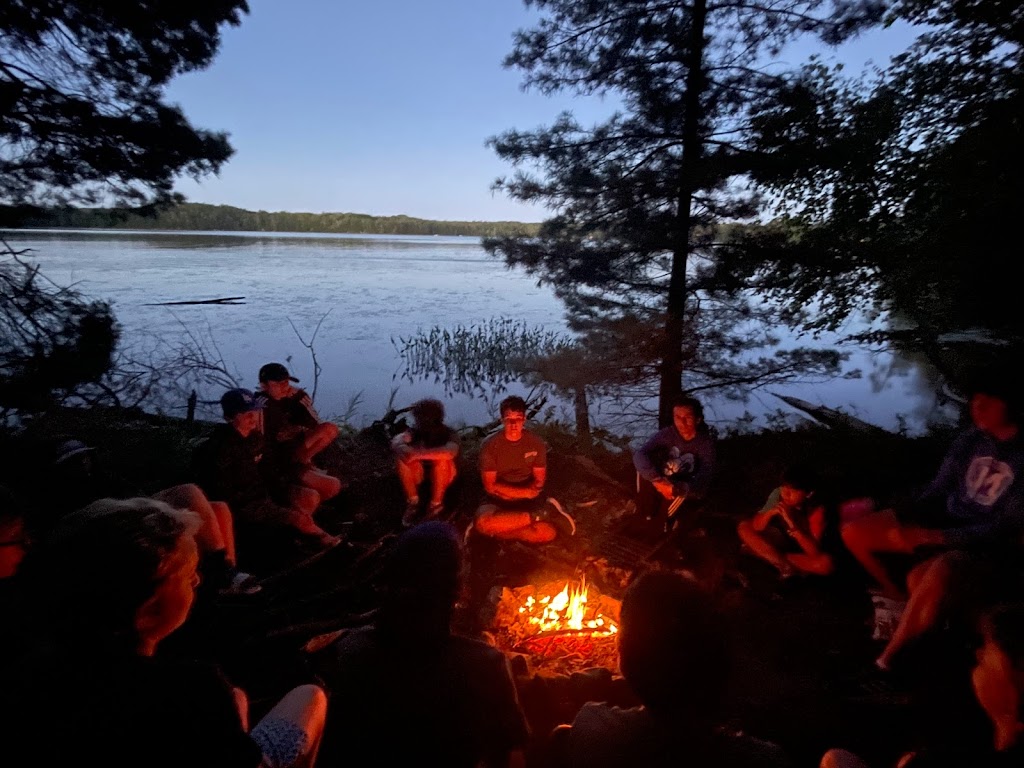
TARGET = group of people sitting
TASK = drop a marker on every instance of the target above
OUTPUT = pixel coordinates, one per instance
(108, 581)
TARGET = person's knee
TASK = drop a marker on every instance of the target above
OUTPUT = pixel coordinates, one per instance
(485, 519)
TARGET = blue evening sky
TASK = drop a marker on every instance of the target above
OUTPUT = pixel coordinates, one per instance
(381, 107)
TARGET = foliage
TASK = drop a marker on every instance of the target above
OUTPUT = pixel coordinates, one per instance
(479, 359)
(903, 204)
(53, 340)
(638, 199)
(225, 218)
(82, 111)
(58, 348)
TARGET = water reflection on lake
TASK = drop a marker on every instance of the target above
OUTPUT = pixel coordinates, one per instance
(365, 290)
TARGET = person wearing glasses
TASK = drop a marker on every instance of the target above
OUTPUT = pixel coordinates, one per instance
(513, 469)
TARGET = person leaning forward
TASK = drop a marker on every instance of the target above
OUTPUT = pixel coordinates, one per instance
(513, 469)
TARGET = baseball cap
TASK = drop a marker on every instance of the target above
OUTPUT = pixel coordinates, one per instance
(275, 372)
(236, 401)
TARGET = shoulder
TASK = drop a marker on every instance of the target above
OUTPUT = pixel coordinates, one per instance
(599, 727)
(534, 440)
(301, 397)
(493, 439)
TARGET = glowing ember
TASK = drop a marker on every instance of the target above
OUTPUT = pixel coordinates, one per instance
(560, 627)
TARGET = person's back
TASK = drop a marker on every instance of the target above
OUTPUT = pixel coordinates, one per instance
(452, 703)
(93, 688)
(406, 690)
(122, 711)
(674, 654)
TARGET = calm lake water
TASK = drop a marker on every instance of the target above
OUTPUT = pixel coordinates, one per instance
(367, 290)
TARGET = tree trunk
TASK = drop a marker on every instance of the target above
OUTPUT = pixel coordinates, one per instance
(582, 415)
(675, 311)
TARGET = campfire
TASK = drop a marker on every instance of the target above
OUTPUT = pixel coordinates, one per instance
(561, 627)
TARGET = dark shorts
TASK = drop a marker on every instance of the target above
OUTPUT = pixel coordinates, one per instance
(516, 505)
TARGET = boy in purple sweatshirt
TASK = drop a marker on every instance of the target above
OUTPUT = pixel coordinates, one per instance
(675, 464)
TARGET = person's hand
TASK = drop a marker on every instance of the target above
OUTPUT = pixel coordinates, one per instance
(664, 487)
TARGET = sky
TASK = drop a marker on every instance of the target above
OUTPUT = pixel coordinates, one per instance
(383, 108)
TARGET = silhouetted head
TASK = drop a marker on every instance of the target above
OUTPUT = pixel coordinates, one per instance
(120, 572)
(673, 644)
(428, 413)
(995, 396)
(422, 581)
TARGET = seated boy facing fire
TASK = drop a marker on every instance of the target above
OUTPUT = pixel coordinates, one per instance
(675, 465)
(513, 468)
(787, 531)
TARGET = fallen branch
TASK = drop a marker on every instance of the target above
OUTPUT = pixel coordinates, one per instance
(225, 300)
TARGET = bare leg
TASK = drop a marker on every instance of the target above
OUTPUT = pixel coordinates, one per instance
(226, 524)
(761, 547)
(326, 486)
(868, 535)
(410, 475)
(504, 524)
(442, 475)
(317, 439)
(304, 499)
(189, 496)
(819, 564)
(929, 585)
(306, 708)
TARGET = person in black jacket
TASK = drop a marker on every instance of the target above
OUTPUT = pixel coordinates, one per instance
(230, 469)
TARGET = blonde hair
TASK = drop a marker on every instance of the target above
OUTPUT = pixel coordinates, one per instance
(102, 562)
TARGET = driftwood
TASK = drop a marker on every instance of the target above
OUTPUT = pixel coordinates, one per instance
(232, 300)
(831, 417)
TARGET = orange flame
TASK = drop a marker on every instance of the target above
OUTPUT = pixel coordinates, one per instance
(567, 611)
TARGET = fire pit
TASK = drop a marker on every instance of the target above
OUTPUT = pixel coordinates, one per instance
(560, 627)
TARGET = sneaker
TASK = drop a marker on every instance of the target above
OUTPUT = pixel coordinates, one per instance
(559, 518)
(435, 511)
(412, 510)
(241, 583)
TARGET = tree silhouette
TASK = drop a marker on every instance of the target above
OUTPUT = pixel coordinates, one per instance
(637, 199)
(82, 111)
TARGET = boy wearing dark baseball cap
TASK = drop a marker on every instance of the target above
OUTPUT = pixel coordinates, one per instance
(294, 433)
(231, 469)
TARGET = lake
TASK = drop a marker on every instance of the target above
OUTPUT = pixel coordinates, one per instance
(364, 291)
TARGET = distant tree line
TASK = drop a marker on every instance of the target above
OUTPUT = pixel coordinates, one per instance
(198, 216)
